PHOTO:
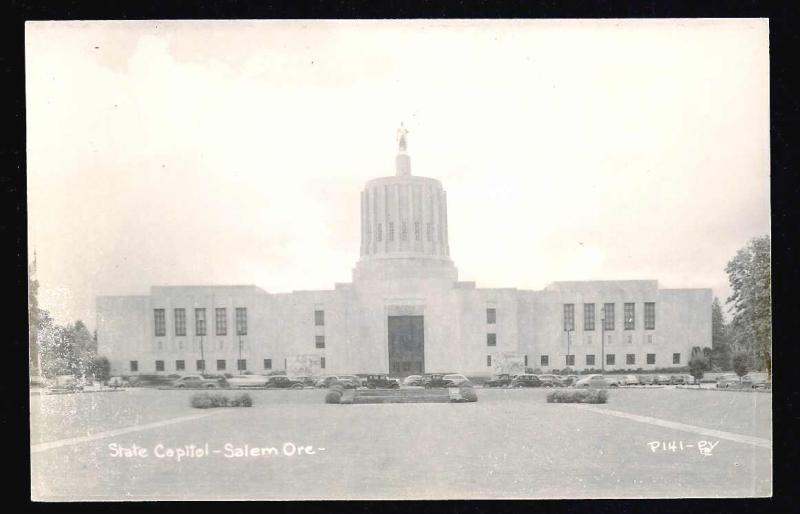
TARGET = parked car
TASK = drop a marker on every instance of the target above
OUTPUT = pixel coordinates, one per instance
(196, 381)
(661, 380)
(677, 380)
(433, 380)
(647, 379)
(306, 380)
(630, 380)
(413, 380)
(526, 380)
(238, 381)
(732, 381)
(550, 381)
(66, 383)
(597, 381)
(501, 380)
(381, 382)
(115, 382)
(326, 381)
(569, 380)
(351, 381)
(457, 380)
(283, 382)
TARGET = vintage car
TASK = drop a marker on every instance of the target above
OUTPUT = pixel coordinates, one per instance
(732, 381)
(196, 381)
(550, 381)
(456, 380)
(240, 381)
(598, 381)
(283, 382)
(526, 380)
(306, 380)
(434, 380)
(413, 380)
(501, 380)
(381, 382)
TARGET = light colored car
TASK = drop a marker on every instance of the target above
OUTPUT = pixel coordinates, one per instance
(456, 379)
(326, 380)
(732, 381)
(194, 381)
(351, 380)
(116, 382)
(238, 381)
(630, 380)
(597, 381)
(412, 380)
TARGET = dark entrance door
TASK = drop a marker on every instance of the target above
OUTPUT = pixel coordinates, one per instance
(406, 345)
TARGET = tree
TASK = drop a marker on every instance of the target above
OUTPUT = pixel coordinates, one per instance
(740, 362)
(750, 303)
(101, 369)
(34, 319)
(720, 347)
(697, 365)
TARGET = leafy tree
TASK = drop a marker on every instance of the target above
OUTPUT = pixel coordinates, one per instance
(720, 346)
(741, 363)
(34, 318)
(750, 303)
(697, 365)
(101, 369)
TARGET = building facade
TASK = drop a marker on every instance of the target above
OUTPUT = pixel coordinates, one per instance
(405, 312)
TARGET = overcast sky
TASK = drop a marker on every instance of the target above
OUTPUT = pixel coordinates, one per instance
(173, 153)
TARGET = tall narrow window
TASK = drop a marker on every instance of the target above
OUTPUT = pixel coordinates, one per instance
(489, 360)
(180, 322)
(651, 358)
(379, 232)
(491, 339)
(220, 364)
(608, 316)
(390, 231)
(319, 318)
(267, 363)
(200, 365)
(417, 230)
(588, 316)
(610, 359)
(544, 360)
(159, 365)
(491, 316)
(403, 231)
(649, 316)
(570, 360)
(180, 365)
(590, 359)
(630, 358)
(160, 322)
(241, 321)
(569, 317)
(241, 364)
(630, 316)
(221, 319)
(322, 362)
(526, 361)
(676, 358)
(200, 322)
(320, 342)
(134, 365)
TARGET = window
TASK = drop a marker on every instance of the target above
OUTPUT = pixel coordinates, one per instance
(241, 364)
(417, 230)
(630, 358)
(200, 365)
(588, 316)
(491, 316)
(200, 322)
(491, 339)
(180, 322)
(544, 360)
(489, 360)
(322, 363)
(651, 358)
(379, 232)
(403, 235)
(570, 360)
(676, 358)
(134, 365)
(608, 316)
(161, 322)
(526, 361)
(630, 316)
(221, 318)
(569, 317)
(590, 360)
(649, 316)
(159, 365)
(320, 341)
(180, 365)
(390, 231)
(429, 231)
(220, 364)
(319, 318)
(267, 363)
(241, 321)
(610, 359)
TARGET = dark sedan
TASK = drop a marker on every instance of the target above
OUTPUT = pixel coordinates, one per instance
(282, 382)
(526, 380)
(501, 380)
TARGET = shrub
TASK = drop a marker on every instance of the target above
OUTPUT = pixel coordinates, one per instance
(333, 396)
(212, 400)
(468, 394)
(578, 396)
(740, 363)
(338, 387)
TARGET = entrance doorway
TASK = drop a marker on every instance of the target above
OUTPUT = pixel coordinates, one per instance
(406, 345)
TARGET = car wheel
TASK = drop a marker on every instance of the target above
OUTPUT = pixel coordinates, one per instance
(210, 386)
(180, 386)
(297, 386)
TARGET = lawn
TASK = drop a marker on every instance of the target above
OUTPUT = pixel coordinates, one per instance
(510, 444)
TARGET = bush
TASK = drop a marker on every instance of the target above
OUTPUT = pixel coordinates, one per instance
(212, 400)
(338, 387)
(333, 396)
(468, 394)
(740, 363)
(578, 396)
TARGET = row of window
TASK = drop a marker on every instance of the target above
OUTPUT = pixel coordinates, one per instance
(629, 319)
(200, 365)
(611, 359)
(404, 232)
(179, 319)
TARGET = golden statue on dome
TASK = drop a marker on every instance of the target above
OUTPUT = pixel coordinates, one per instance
(401, 137)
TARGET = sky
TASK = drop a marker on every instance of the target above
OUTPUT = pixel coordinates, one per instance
(209, 152)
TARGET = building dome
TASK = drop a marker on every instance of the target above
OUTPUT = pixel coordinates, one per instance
(404, 225)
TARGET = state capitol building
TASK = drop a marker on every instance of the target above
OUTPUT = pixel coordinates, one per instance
(405, 312)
